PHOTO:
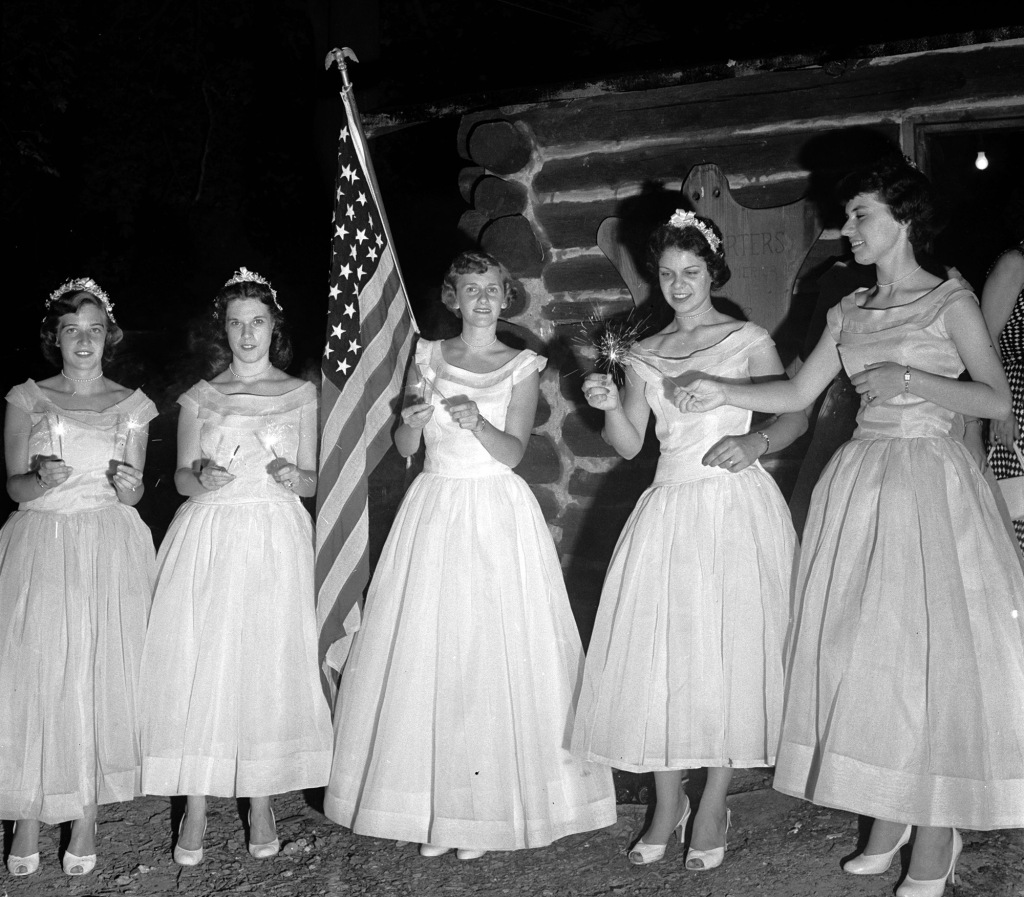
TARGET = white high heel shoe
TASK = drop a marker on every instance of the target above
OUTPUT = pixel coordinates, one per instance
(182, 855)
(433, 850)
(20, 866)
(709, 859)
(875, 863)
(933, 887)
(643, 854)
(76, 865)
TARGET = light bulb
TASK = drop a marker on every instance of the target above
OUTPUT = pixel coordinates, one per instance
(981, 163)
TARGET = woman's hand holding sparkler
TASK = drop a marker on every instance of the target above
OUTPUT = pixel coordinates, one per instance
(467, 415)
(51, 472)
(417, 415)
(126, 478)
(601, 392)
(212, 476)
(286, 473)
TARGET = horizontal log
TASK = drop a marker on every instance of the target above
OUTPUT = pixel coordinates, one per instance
(877, 89)
(471, 223)
(513, 241)
(580, 274)
(574, 224)
(754, 157)
(496, 197)
(468, 178)
(498, 146)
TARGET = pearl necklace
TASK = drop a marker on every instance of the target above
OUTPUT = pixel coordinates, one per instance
(889, 283)
(99, 376)
(697, 314)
(74, 380)
(494, 339)
(239, 376)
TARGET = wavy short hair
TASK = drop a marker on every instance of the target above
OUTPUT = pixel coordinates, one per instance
(908, 194)
(690, 239)
(218, 352)
(473, 262)
(70, 303)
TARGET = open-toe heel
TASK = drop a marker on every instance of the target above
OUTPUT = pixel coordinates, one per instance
(703, 860)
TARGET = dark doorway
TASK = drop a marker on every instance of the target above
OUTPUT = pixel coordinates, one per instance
(980, 199)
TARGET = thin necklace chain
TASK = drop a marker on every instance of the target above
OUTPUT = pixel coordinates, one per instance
(99, 376)
(697, 314)
(889, 283)
(494, 339)
(259, 373)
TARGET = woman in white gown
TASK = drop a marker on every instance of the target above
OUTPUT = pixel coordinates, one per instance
(76, 579)
(685, 666)
(457, 703)
(231, 698)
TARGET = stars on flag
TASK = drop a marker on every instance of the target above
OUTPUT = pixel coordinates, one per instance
(357, 250)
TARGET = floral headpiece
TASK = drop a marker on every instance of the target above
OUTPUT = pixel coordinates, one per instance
(83, 285)
(244, 275)
(683, 220)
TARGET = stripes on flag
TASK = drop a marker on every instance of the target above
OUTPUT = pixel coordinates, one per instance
(369, 336)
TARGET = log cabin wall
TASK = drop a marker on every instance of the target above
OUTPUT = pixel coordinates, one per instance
(541, 177)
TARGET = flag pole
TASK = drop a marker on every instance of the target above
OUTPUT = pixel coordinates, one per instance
(337, 56)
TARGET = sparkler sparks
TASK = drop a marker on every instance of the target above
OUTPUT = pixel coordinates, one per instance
(271, 436)
(58, 429)
(127, 427)
(610, 342)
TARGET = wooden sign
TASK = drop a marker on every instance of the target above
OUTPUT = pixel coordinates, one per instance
(765, 248)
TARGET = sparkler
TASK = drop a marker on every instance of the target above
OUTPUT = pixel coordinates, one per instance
(611, 343)
(270, 437)
(57, 428)
(131, 424)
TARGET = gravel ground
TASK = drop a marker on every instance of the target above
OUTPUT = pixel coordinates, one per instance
(778, 847)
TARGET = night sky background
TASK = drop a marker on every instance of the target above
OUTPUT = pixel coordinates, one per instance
(158, 145)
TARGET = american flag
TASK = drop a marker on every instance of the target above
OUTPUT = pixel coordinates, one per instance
(369, 335)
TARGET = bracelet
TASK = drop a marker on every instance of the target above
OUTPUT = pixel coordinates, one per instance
(906, 380)
(767, 442)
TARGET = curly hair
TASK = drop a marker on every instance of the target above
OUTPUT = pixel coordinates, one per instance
(690, 239)
(473, 263)
(216, 348)
(70, 303)
(907, 193)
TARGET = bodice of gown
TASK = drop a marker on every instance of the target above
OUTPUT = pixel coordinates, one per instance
(684, 437)
(913, 334)
(452, 451)
(88, 441)
(246, 434)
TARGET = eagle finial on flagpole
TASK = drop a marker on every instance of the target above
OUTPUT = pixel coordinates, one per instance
(339, 56)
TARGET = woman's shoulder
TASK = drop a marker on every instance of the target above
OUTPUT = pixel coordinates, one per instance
(27, 396)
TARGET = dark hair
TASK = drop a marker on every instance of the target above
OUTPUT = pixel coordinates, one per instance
(70, 303)
(907, 193)
(218, 351)
(690, 239)
(473, 263)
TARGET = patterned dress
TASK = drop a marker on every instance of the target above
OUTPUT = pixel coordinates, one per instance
(456, 706)
(905, 686)
(685, 665)
(1003, 460)
(76, 580)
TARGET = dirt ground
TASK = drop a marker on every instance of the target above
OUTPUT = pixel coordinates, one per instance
(778, 847)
